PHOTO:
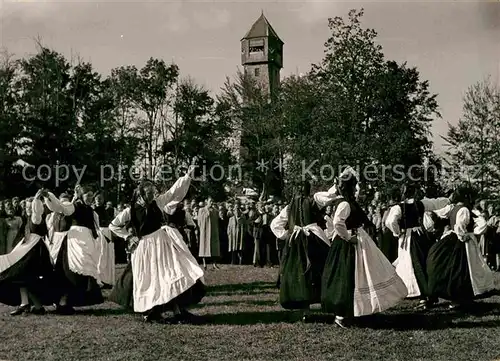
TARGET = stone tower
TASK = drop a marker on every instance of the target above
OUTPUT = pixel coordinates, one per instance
(262, 54)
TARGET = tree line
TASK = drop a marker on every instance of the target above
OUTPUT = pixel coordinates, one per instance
(353, 107)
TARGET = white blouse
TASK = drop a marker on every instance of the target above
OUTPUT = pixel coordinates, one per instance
(175, 194)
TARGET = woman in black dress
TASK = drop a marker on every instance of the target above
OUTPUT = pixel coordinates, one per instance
(25, 271)
(456, 268)
(357, 280)
(304, 251)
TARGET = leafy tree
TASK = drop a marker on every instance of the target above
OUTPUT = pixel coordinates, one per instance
(370, 111)
(199, 128)
(10, 127)
(258, 122)
(150, 91)
(474, 143)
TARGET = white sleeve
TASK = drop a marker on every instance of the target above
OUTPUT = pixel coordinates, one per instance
(324, 199)
(444, 213)
(393, 218)
(176, 193)
(462, 220)
(36, 211)
(329, 227)
(428, 222)
(278, 224)
(480, 225)
(96, 222)
(433, 204)
(341, 213)
(55, 205)
(119, 225)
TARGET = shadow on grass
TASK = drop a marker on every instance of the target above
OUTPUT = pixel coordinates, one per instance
(239, 302)
(251, 318)
(239, 288)
(99, 312)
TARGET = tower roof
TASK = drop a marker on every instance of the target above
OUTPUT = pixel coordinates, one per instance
(261, 28)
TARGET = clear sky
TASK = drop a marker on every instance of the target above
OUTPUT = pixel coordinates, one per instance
(453, 44)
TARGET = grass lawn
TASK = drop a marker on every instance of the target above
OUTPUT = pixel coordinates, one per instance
(245, 322)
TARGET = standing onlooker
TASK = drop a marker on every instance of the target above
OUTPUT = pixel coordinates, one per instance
(208, 221)
(223, 236)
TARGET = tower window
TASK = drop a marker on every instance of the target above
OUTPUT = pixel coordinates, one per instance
(257, 72)
(256, 45)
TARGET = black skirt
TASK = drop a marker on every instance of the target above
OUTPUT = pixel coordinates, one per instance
(337, 290)
(80, 290)
(301, 267)
(123, 293)
(420, 246)
(388, 244)
(448, 270)
(34, 271)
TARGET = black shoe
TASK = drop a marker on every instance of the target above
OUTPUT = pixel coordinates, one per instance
(38, 311)
(20, 310)
(307, 318)
(341, 322)
(65, 310)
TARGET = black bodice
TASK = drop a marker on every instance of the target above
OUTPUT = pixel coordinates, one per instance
(412, 215)
(146, 219)
(105, 215)
(303, 211)
(357, 218)
(39, 229)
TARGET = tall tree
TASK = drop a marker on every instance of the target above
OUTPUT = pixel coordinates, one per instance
(258, 123)
(10, 126)
(371, 111)
(48, 110)
(199, 128)
(474, 143)
(150, 90)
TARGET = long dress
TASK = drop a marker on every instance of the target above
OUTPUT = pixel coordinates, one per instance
(358, 280)
(304, 253)
(388, 243)
(14, 226)
(161, 270)
(106, 264)
(208, 221)
(75, 237)
(456, 268)
(28, 264)
(405, 220)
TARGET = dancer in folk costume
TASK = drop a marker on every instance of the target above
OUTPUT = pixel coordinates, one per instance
(456, 268)
(405, 220)
(162, 273)
(358, 280)
(57, 226)
(76, 266)
(106, 265)
(25, 271)
(304, 252)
